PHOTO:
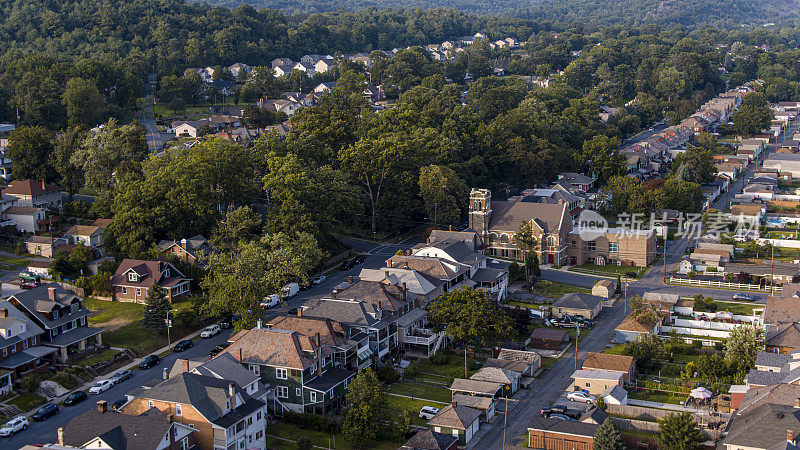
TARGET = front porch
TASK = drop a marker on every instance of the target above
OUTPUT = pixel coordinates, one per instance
(74, 342)
(28, 361)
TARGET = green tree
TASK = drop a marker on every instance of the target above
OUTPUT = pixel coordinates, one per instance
(471, 317)
(240, 225)
(679, 431)
(671, 82)
(601, 156)
(156, 309)
(70, 176)
(647, 349)
(83, 101)
(366, 409)
(443, 193)
(527, 243)
(710, 367)
(31, 150)
(103, 152)
(742, 346)
(700, 161)
(753, 115)
(608, 437)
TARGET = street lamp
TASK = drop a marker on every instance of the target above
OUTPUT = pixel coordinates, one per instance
(168, 321)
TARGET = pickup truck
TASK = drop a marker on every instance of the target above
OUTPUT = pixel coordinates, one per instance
(561, 409)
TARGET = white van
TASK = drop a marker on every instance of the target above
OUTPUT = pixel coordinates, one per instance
(287, 292)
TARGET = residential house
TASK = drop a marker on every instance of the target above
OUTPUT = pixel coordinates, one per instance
(305, 67)
(779, 394)
(324, 87)
(577, 304)
(523, 362)
(509, 379)
(187, 128)
(349, 346)
(223, 413)
(389, 294)
(300, 370)
(556, 434)
(459, 421)
(280, 105)
(750, 212)
(21, 351)
(237, 68)
(430, 440)
(324, 65)
(578, 181)
(32, 193)
(595, 382)
(27, 218)
(62, 317)
(46, 246)
(611, 363)
(40, 268)
(278, 62)
(548, 339)
(191, 251)
(632, 327)
(380, 326)
(283, 70)
(425, 287)
(134, 277)
(768, 426)
(88, 235)
(104, 429)
(783, 338)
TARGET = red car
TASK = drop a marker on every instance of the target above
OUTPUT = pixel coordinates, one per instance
(29, 285)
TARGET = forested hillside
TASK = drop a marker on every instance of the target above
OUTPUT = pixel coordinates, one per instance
(689, 13)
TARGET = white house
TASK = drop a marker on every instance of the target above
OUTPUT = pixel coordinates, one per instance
(88, 235)
(27, 218)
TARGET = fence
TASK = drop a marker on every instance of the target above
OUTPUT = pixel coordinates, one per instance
(787, 243)
(724, 284)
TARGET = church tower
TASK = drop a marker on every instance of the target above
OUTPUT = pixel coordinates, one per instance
(480, 211)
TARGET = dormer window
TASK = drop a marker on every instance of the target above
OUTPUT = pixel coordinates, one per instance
(133, 277)
(166, 273)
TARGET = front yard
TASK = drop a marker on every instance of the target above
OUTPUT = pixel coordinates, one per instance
(610, 270)
(555, 290)
(421, 391)
(290, 433)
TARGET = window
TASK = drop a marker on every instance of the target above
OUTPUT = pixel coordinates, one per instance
(132, 277)
(185, 443)
(282, 391)
(588, 384)
(258, 415)
(297, 392)
(191, 425)
(573, 244)
(124, 290)
(258, 435)
(612, 247)
(178, 411)
(138, 292)
(591, 246)
(280, 373)
(250, 421)
(149, 403)
(4, 353)
(166, 273)
(24, 344)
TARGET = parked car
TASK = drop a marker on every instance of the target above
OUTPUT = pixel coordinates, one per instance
(209, 331)
(14, 425)
(28, 285)
(562, 417)
(580, 396)
(742, 297)
(217, 350)
(149, 361)
(319, 280)
(118, 403)
(101, 386)
(45, 411)
(287, 292)
(561, 409)
(228, 322)
(360, 259)
(75, 398)
(183, 345)
(121, 376)
(428, 412)
(347, 265)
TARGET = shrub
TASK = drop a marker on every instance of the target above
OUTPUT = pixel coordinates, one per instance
(411, 371)
(387, 374)
(440, 358)
(600, 403)
(305, 443)
(31, 382)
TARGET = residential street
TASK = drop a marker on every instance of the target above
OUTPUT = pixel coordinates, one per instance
(155, 138)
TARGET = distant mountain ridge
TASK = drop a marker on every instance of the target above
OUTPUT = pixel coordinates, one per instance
(688, 13)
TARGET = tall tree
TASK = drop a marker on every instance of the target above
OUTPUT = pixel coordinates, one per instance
(103, 152)
(608, 437)
(366, 409)
(742, 346)
(156, 309)
(443, 192)
(601, 156)
(240, 225)
(31, 151)
(527, 243)
(679, 431)
(471, 317)
(70, 176)
(83, 102)
(753, 115)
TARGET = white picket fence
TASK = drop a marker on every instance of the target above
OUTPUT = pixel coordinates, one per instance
(724, 284)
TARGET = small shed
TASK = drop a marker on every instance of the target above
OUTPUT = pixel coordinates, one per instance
(578, 304)
(604, 289)
(508, 378)
(615, 395)
(456, 420)
(548, 339)
(475, 387)
(485, 405)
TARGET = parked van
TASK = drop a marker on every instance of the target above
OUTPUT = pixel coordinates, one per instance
(287, 292)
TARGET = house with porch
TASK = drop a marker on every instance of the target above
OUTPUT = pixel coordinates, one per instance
(61, 315)
(36, 194)
(88, 235)
(299, 369)
(134, 277)
(21, 350)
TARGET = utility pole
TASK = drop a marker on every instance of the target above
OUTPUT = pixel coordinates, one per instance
(465, 362)
(577, 335)
(666, 239)
(626, 296)
(772, 272)
(505, 418)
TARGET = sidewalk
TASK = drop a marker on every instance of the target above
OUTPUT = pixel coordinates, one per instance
(131, 366)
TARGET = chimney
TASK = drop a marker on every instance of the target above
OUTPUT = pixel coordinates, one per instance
(790, 436)
(350, 279)
(102, 406)
(170, 418)
(183, 243)
(317, 339)
(404, 291)
(60, 435)
(797, 402)
(231, 391)
(51, 294)
(44, 185)
(299, 312)
(260, 324)
(386, 272)
(165, 374)
(380, 305)
(453, 404)
(185, 365)
(3, 313)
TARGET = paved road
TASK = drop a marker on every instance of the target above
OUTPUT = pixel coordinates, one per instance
(155, 138)
(47, 431)
(643, 136)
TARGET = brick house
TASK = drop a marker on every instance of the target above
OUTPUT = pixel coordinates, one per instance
(187, 250)
(555, 434)
(101, 428)
(62, 317)
(299, 369)
(224, 413)
(615, 246)
(134, 277)
(21, 350)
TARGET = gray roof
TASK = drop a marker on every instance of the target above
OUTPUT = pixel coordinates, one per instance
(358, 314)
(616, 392)
(225, 367)
(562, 426)
(484, 275)
(764, 427)
(430, 440)
(495, 375)
(330, 379)
(24, 357)
(475, 387)
(763, 378)
(120, 431)
(73, 335)
(37, 299)
(772, 359)
(578, 300)
(14, 314)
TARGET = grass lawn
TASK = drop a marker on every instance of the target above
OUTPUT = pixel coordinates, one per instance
(658, 396)
(109, 310)
(609, 270)
(555, 290)
(102, 356)
(319, 438)
(66, 380)
(454, 368)
(27, 401)
(9, 263)
(615, 350)
(162, 109)
(742, 309)
(412, 406)
(422, 391)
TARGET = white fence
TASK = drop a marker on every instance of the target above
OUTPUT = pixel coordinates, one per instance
(703, 324)
(696, 332)
(787, 243)
(723, 284)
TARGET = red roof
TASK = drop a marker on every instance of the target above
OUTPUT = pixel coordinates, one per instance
(30, 188)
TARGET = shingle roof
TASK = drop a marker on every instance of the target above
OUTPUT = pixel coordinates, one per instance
(637, 324)
(578, 300)
(784, 335)
(605, 361)
(385, 293)
(770, 359)
(148, 271)
(83, 230)
(357, 314)
(549, 334)
(21, 210)
(514, 366)
(37, 302)
(473, 401)
(436, 267)
(223, 366)
(457, 417)
(121, 431)
(331, 333)
(764, 426)
(495, 375)
(596, 375)
(475, 386)
(273, 347)
(430, 440)
(508, 216)
(779, 394)
(519, 355)
(763, 378)
(562, 426)
(783, 309)
(29, 188)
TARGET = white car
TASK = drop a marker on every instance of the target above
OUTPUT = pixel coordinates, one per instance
(578, 396)
(319, 280)
(428, 412)
(209, 331)
(101, 386)
(14, 425)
